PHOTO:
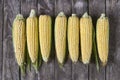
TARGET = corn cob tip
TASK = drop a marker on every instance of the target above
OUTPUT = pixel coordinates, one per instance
(61, 14)
(102, 15)
(22, 69)
(74, 62)
(104, 63)
(73, 14)
(19, 16)
(45, 59)
(61, 65)
(86, 62)
(32, 13)
(85, 15)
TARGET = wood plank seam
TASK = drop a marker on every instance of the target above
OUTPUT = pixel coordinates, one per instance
(2, 43)
(2, 35)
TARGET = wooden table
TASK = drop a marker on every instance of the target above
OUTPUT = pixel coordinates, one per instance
(9, 69)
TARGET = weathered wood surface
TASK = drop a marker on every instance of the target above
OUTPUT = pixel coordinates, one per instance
(113, 12)
(1, 37)
(96, 7)
(9, 69)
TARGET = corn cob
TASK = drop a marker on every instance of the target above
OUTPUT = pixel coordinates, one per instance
(32, 36)
(86, 37)
(60, 36)
(102, 32)
(73, 37)
(19, 39)
(45, 36)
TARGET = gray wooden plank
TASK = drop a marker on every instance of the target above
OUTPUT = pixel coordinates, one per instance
(64, 73)
(63, 5)
(26, 6)
(79, 70)
(96, 7)
(46, 7)
(79, 7)
(47, 69)
(113, 12)
(1, 37)
(10, 67)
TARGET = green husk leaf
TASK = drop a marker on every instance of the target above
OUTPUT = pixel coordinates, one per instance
(38, 62)
(22, 69)
(28, 62)
(61, 14)
(65, 58)
(19, 17)
(39, 59)
(61, 65)
(35, 65)
(95, 50)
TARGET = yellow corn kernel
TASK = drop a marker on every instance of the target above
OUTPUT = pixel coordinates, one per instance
(19, 39)
(102, 32)
(60, 36)
(45, 27)
(73, 37)
(86, 37)
(32, 36)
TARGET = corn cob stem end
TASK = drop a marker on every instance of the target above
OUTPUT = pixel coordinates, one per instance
(32, 13)
(61, 14)
(19, 16)
(61, 65)
(104, 64)
(45, 59)
(87, 62)
(73, 15)
(102, 15)
(85, 15)
(22, 69)
(35, 65)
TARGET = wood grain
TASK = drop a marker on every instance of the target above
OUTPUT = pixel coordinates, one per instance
(10, 67)
(79, 70)
(96, 7)
(47, 69)
(46, 7)
(63, 5)
(26, 6)
(79, 7)
(113, 67)
(1, 37)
